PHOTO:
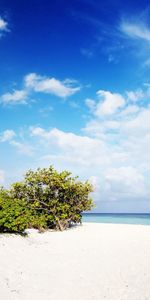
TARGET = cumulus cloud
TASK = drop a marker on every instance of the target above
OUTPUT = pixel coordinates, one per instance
(115, 114)
(108, 103)
(16, 97)
(76, 148)
(140, 123)
(116, 167)
(112, 150)
(132, 123)
(49, 85)
(113, 160)
(135, 96)
(126, 134)
(34, 83)
(125, 180)
(7, 135)
(130, 110)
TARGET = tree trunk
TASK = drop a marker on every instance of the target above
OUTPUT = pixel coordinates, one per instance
(60, 225)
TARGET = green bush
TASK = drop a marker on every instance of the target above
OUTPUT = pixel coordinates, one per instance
(44, 199)
(14, 215)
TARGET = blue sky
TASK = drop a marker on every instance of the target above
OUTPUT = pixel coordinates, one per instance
(74, 93)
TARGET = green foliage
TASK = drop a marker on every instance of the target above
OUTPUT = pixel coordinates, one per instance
(45, 199)
(14, 216)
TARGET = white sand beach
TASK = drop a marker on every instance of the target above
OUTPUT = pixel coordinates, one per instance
(92, 261)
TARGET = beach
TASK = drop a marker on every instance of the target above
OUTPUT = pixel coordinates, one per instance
(91, 261)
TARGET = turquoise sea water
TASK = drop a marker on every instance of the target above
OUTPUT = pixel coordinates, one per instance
(143, 219)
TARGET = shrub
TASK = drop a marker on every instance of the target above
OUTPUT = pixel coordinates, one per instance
(14, 216)
(57, 198)
(44, 199)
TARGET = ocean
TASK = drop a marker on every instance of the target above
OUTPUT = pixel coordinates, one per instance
(141, 219)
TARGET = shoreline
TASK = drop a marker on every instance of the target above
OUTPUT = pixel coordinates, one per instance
(28, 232)
(118, 224)
(91, 261)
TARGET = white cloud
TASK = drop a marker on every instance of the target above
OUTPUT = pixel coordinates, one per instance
(116, 161)
(34, 83)
(132, 122)
(7, 135)
(135, 30)
(38, 131)
(2, 176)
(125, 180)
(109, 103)
(16, 97)
(130, 109)
(126, 175)
(94, 180)
(48, 85)
(110, 121)
(91, 104)
(3, 25)
(135, 96)
(126, 133)
(75, 148)
(113, 150)
(140, 123)
(22, 148)
(115, 167)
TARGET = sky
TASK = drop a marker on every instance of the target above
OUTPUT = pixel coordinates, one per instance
(74, 93)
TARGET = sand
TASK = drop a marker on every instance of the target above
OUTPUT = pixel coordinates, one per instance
(91, 262)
